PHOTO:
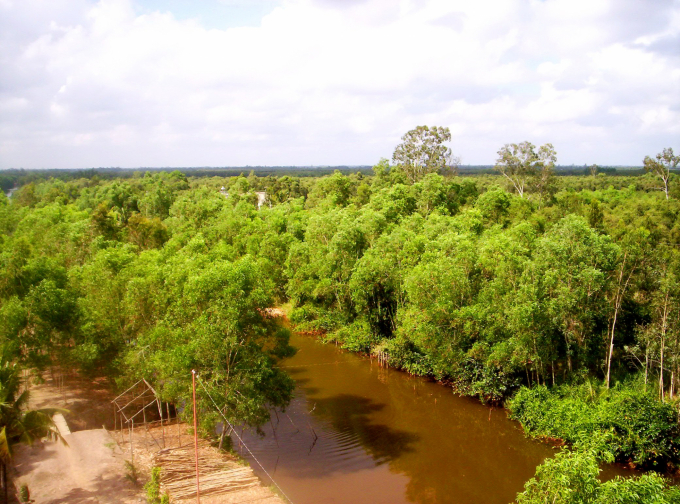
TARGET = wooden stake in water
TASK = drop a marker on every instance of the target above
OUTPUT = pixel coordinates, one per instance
(193, 385)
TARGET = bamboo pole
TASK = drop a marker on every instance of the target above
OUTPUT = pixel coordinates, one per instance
(193, 384)
(162, 427)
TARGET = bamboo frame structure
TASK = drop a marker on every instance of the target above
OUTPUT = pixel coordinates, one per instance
(134, 402)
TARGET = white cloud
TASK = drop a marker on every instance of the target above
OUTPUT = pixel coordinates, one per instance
(329, 82)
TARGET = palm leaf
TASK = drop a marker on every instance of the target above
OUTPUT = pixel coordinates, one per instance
(38, 424)
(5, 453)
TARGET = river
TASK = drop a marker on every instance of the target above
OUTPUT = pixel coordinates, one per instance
(357, 433)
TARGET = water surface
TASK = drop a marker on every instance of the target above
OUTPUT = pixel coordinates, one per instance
(357, 433)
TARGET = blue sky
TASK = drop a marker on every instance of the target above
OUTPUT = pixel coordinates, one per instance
(137, 83)
(212, 14)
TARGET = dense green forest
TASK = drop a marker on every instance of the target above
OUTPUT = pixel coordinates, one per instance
(562, 298)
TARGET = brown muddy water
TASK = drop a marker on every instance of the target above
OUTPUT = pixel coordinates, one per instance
(358, 433)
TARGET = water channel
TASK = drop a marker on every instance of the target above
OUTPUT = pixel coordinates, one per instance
(358, 433)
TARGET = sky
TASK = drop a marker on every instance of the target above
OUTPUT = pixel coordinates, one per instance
(179, 83)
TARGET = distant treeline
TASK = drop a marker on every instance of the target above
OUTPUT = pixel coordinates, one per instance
(19, 176)
(14, 177)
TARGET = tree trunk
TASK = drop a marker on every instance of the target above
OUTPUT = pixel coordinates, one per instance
(661, 371)
(611, 344)
(672, 384)
(646, 366)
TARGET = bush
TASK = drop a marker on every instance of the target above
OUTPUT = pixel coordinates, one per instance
(153, 488)
(572, 478)
(404, 354)
(356, 337)
(624, 423)
(314, 319)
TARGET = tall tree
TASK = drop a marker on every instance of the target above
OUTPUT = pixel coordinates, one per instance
(665, 304)
(573, 261)
(661, 167)
(422, 151)
(522, 165)
(631, 259)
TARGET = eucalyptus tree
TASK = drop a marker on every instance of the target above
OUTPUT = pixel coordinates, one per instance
(661, 166)
(523, 166)
(422, 151)
(631, 259)
(574, 262)
(662, 335)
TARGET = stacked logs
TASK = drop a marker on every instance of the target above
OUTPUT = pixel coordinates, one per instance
(217, 476)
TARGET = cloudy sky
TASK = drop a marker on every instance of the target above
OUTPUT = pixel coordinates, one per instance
(136, 83)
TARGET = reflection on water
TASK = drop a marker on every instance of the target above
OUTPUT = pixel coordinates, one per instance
(359, 433)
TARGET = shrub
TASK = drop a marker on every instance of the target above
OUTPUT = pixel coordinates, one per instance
(153, 488)
(572, 478)
(624, 423)
(356, 337)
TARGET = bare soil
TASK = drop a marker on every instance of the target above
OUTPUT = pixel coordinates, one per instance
(92, 467)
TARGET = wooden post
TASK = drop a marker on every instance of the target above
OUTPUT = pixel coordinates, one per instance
(193, 385)
(146, 427)
(160, 408)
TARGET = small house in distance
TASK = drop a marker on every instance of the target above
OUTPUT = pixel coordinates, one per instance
(261, 196)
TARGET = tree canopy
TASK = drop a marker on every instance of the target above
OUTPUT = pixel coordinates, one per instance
(422, 151)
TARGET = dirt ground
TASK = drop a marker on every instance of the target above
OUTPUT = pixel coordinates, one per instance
(94, 465)
(91, 469)
(88, 401)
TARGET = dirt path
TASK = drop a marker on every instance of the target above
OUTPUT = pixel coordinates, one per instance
(92, 468)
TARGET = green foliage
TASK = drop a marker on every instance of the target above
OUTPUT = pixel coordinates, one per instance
(131, 473)
(24, 494)
(572, 478)
(494, 205)
(624, 423)
(448, 277)
(153, 488)
(356, 336)
(422, 151)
